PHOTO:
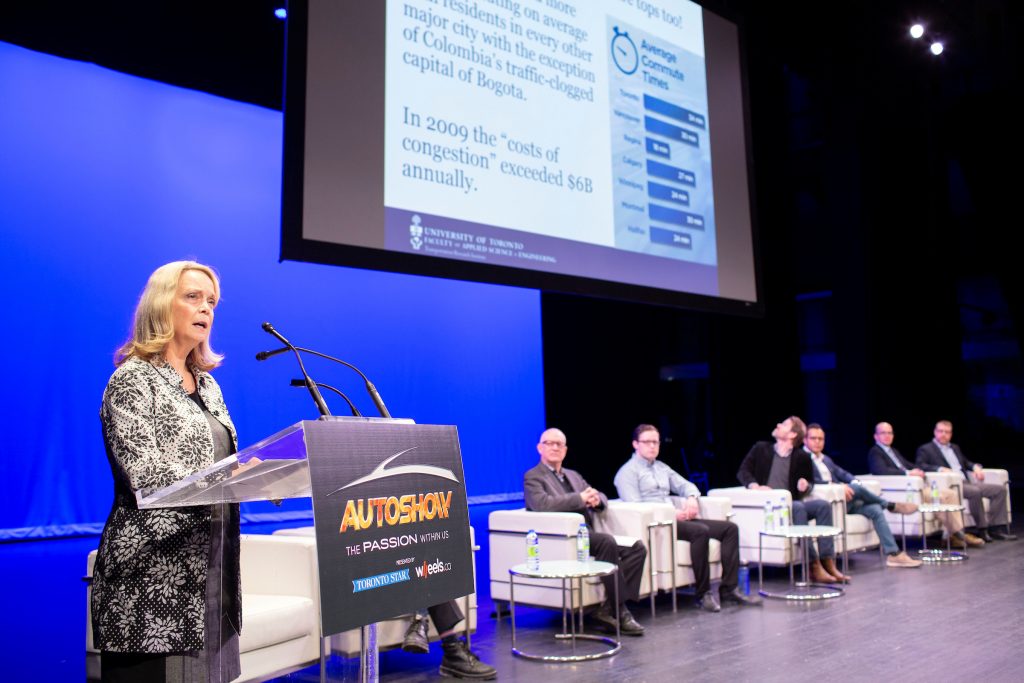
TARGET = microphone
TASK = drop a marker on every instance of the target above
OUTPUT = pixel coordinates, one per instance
(370, 389)
(263, 355)
(302, 383)
(310, 384)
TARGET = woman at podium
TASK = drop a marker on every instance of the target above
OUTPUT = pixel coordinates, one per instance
(166, 600)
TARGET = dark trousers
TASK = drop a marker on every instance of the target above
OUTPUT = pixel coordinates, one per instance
(445, 616)
(821, 511)
(996, 494)
(630, 562)
(698, 532)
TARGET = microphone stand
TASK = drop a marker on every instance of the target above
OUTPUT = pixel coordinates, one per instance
(310, 384)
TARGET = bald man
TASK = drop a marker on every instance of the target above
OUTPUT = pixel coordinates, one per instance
(883, 458)
(549, 487)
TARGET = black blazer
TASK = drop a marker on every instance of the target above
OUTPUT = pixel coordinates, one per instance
(756, 467)
(930, 458)
(880, 463)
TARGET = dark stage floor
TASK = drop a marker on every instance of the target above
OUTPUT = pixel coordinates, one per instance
(961, 621)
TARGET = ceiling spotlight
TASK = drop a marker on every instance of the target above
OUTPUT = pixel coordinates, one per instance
(936, 48)
(916, 31)
(281, 13)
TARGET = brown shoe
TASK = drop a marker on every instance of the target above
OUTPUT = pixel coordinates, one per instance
(904, 508)
(819, 575)
(830, 566)
(973, 540)
(959, 543)
(901, 559)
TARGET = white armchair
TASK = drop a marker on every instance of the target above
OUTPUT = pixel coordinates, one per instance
(858, 533)
(653, 523)
(748, 514)
(899, 488)
(556, 533)
(280, 607)
(391, 632)
(992, 476)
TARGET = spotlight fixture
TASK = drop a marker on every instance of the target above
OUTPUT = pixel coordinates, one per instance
(916, 31)
(281, 13)
(936, 48)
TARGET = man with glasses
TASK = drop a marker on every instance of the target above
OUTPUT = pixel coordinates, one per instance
(883, 458)
(549, 487)
(942, 455)
(859, 501)
(646, 479)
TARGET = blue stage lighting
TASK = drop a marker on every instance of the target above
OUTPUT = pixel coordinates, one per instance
(281, 13)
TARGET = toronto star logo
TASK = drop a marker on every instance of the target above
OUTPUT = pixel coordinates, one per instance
(416, 233)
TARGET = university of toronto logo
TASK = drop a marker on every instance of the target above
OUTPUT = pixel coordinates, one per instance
(416, 233)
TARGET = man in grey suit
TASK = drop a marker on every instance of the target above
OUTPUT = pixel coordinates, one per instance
(942, 455)
(549, 487)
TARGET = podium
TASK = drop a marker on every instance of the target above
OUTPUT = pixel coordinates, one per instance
(389, 511)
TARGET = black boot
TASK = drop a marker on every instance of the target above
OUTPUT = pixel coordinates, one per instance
(460, 662)
(416, 640)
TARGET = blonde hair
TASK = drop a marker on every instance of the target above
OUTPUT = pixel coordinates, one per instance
(153, 328)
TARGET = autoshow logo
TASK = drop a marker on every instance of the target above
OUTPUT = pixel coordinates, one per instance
(416, 233)
(381, 471)
(436, 567)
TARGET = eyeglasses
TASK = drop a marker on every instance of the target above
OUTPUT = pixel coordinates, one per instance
(815, 438)
(553, 444)
(650, 442)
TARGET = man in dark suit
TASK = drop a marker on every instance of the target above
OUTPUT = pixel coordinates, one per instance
(784, 465)
(859, 500)
(942, 455)
(883, 458)
(549, 487)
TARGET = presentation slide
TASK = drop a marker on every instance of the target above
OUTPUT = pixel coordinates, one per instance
(569, 137)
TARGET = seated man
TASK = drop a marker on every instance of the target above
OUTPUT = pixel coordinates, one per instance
(549, 487)
(784, 465)
(883, 458)
(645, 479)
(858, 499)
(939, 454)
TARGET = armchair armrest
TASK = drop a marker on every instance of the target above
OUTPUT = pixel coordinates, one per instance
(946, 480)
(622, 519)
(279, 565)
(893, 482)
(544, 523)
(996, 476)
(715, 507)
(872, 484)
(833, 493)
(740, 496)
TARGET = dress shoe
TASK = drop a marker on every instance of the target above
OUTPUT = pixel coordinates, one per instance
(904, 508)
(460, 662)
(738, 597)
(416, 640)
(984, 535)
(819, 575)
(901, 559)
(628, 625)
(604, 619)
(1001, 535)
(709, 603)
(973, 540)
(830, 566)
(961, 543)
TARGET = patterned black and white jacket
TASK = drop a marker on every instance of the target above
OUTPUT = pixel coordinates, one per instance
(149, 581)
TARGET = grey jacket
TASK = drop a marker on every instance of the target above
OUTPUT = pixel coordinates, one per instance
(149, 582)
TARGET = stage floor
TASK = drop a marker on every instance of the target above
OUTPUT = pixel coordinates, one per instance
(960, 620)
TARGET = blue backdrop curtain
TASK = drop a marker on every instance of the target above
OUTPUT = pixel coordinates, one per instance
(105, 176)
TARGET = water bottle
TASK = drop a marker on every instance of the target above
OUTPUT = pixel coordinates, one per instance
(744, 578)
(910, 492)
(935, 493)
(769, 517)
(783, 514)
(582, 543)
(532, 551)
